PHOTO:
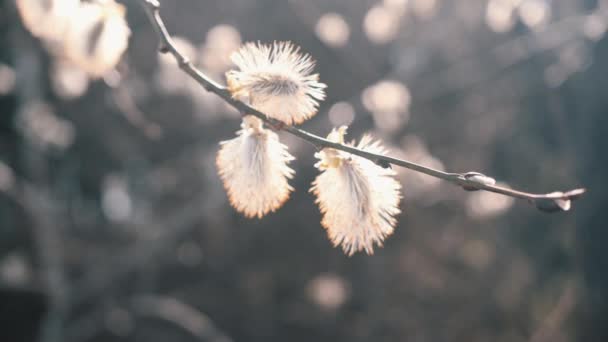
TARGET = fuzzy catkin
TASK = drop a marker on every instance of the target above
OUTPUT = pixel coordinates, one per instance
(277, 80)
(97, 36)
(358, 199)
(254, 169)
(92, 36)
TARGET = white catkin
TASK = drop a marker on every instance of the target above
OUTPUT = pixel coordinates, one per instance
(278, 81)
(358, 199)
(97, 36)
(47, 19)
(253, 167)
(89, 35)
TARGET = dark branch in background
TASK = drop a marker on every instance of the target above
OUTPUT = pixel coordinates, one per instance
(182, 315)
(470, 181)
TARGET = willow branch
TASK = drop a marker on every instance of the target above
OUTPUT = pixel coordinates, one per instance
(470, 181)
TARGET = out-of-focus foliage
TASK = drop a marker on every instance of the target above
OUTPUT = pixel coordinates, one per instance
(114, 222)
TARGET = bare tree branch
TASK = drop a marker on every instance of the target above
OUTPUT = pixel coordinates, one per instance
(184, 316)
(470, 181)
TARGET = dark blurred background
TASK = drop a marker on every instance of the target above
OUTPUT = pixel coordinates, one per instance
(114, 225)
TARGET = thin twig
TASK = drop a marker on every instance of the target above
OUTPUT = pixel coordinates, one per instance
(470, 181)
(185, 316)
(46, 226)
(551, 325)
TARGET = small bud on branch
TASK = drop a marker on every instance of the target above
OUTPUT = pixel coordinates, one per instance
(475, 179)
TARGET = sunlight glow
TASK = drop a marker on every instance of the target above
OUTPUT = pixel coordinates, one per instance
(333, 30)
